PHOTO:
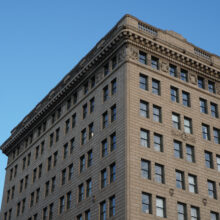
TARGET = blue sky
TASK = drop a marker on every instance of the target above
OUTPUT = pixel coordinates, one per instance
(40, 41)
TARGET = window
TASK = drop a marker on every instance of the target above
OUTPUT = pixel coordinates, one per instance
(103, 215)
(203, 106)
(181, 211)
(65, 151)
(144, 136)
(39, 171)
(192, 181)
(184, 75)
(154, 62)
(211, 86)
(194, 212)
(114, 86)
(53, 184)
(104, 148)
(190, 154)
(105, 119)
(214, 216)
(68, 104)
(105, 93)
(188, 125)
(92, 81)
(208, 160)
(180, 180)
(24, 163)
(174, 94)
(157, 114)
(103, 178)
(87, 215)
(144, 109)
(158, 142)
(92, 105)
(26, 182)
(47, 186)
(159, 173)
(216, 133)
(84, 110)
(21, 188)
(178, 151)
(37, 195)
(44, 126)
(68, 200)
(75, 98)
(73, 120)
(36, 153)
(142, 57)
(62, 204)
(79, 217)
(145, 169)
(214, 110)
(155, 87)
(112, 172)
(51, 140)
(63, 178)
(81, 192)
(34, 174)
(51, 211)
(45, 214)
(70, 175)
(201, 82)
(49, 160)
(112, 206)
(88, 188)
(55, 156)
(15, 172)
(42, 147)
(143, 82)
(12, 192)
(72, 145)
(205, 132)
(91, 130)
(32, 199)
(86, 88)
(114, 62)
(82, 163)
(89, 154)
(186, 98)
(160, 207)
(146, 203)
(113, 113)
(176, 120)
(106, 69)
(212, 189)
(173, 70)
(218, 162)
(83, 136)
(113, 141)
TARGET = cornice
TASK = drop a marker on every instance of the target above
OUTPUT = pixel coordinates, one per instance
(120, 33)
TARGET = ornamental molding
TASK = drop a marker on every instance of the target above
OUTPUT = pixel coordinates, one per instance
(182, 135)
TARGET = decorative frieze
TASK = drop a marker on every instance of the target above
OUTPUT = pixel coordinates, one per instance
(182, 135)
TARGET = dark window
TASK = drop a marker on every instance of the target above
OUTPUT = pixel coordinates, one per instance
(113, 113)
(159, 173)
(105, 119)
(87, 215)
(173, 70)
(68, 104)
(114, 86)
(154, 62)
(205, 132)
(91, 130)
(194, 213)
(157, 114)
(92, 104)
(103, 178)
(57, 134)
(63, 177)
(188, 125)
(201, 82)
(65, 151)
(186, 98)
(47, 186)
(145, 169)
(103, 215)
(106, 69)
(158, 142)
(180, 183)
(114, 62)
(181, 211)
(85, 110)
(89, 154)
(70, 175)
(88, 188)
(51, 139)
(53, 184)
(155, 87)
(178, 152)
(211, 86)
(81, 193)
(68, 200)
(83, 136)
(112, 172)
(82, 163)
(104, 148)
(62, 204)
(203, 106)
(146, 203)
(113, 141)
(75, 96)
(142, 57)
(214, 215)
(190, 154)
(45, 213)
(55, 157)
(214, 110)
(174, 94)
(92, 81)
(144, 138)
(216, 133)
(144, 109)
(86, 88)
(73, 120)
(212, 189)
(105, 93)
(143, 82)
(72, 145)
(50, 211)
(209, 160)
(184, 75)
(112, 206)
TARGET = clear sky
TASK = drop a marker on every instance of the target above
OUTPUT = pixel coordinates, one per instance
(41, 41)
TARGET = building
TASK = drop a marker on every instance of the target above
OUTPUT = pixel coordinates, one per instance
(132, 132)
